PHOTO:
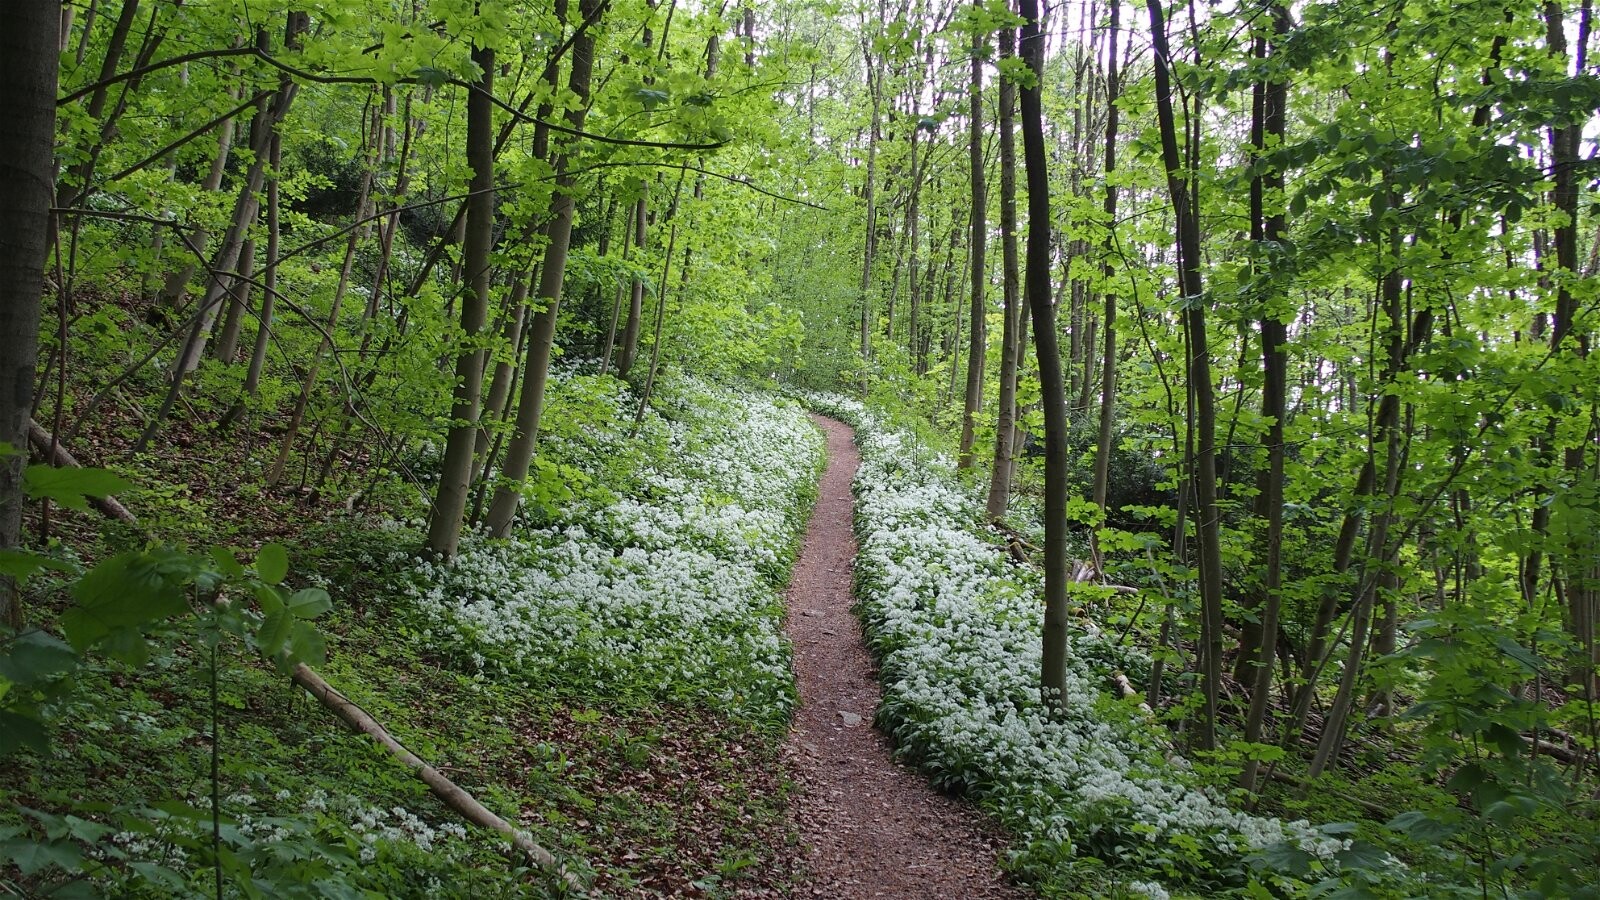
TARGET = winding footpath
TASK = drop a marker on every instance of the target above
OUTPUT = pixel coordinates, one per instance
(871, 828)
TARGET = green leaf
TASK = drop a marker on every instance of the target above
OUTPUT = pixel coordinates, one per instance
(310, 603)
(1519, 653)
(129, 590)
(18, 731)
(30, 856)
(1423, 828)
(275, 621)
(650, 98)
(306, 645)
(127, 645)
(272, 563)
(431, 76)
(24, 564)
(34, 656)
(227, 563)
(68, 487)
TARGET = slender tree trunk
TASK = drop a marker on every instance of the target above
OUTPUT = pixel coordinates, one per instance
(269, 293)
(1108, 388)
(450, 503)
(1053, 394)
(977, 330)
(1199, 377)
(267, 118)
(313, 369)
(1274, 394)
(1010, 345)
(226, 348)
(1582, 593)
(874, 85)
(541, 337)
(29, 38)
(635, 323)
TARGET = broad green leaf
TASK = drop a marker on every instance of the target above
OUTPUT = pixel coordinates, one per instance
(306, 645)
(24, 564)
(31, 857)
(272, 563)
(275, 622)
(309, 603)
(35, 656)
(69, 487)
(18, 731)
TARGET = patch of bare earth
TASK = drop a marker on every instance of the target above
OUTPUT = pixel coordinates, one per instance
(872, 828)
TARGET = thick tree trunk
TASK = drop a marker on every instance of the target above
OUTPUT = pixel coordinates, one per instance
(29, 36)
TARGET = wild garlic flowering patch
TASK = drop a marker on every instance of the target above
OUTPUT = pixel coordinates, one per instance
(666, 586)
(955, 627)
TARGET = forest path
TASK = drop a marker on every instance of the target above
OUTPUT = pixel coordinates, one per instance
(871, 828)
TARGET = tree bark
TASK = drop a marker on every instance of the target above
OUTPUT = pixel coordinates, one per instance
(552, 272)
(1199, 378)
(1052, 385)
(29, 36)
(1108, 378)
(1011, 277)
(1274, 394)
(977, 327)
(455, 477)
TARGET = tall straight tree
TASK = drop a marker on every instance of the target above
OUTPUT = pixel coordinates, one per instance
(455, 476)
(552, 273)
(977, 333)
(1108, 327)
(1198, 366)
(1052, 384)
(29, 38)
(1268, 232)
(1010, 339)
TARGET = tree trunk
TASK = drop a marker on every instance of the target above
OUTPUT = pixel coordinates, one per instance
(977, 330)
(226, 348)
(450, 503)
(1053, 394)
(541, 337)
(29, 36)
(1274, 394)
(1102, 460)
(874, 85)
(635, 323)
(1010, 345)
(1199, 378)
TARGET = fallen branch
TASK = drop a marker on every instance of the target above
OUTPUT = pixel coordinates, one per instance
(56, 455)
(453, 795)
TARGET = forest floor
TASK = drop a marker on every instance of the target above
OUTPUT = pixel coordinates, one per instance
(872, 828)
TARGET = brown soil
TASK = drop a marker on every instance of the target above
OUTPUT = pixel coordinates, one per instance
(871, 828)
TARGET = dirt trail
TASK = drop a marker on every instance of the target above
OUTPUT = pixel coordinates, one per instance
(871, 827)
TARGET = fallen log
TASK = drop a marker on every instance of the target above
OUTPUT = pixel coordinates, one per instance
(452, 794)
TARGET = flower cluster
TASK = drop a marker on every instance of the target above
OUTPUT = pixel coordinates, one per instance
(664, 587)
(956, 631)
